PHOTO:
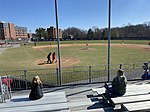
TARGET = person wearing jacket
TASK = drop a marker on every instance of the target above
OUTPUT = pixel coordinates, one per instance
(36, 89)
(49, 58)
(118, 85)
(54, 57)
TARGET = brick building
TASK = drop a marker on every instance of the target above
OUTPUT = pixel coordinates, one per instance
(52, 33)
(10, 31)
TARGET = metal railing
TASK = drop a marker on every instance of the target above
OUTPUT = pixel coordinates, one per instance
(72, 75)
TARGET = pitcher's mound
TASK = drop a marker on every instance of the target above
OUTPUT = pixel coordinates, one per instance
(65, 62)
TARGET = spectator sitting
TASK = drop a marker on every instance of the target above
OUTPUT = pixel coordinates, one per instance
(119, 84)
(36, 89)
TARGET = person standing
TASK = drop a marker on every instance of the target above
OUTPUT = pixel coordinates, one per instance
(36, 89)
(54, 57)
(87, 46)
(34, 43)
(49, 58)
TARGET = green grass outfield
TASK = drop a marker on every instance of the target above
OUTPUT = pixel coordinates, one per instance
(25, 57)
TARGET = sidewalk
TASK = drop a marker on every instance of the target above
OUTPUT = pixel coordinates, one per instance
(8, 46)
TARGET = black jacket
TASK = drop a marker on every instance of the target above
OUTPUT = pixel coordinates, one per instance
(36, 92)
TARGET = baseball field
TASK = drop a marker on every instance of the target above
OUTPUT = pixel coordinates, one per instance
(74, 53)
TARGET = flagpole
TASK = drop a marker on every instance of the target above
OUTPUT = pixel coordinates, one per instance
(109, 35)
(58, 42)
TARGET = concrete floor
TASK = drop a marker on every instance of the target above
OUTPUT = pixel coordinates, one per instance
(81, 98)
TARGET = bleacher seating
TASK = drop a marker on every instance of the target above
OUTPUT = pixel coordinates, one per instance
(134, 96)
(50, 102)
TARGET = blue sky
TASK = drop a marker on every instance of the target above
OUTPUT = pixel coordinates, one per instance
(83, 14)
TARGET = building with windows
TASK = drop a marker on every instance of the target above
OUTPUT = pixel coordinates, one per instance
(51, 33)
(9, 31)
(21, 32)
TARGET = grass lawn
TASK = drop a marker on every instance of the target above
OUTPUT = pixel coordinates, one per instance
(25, 57)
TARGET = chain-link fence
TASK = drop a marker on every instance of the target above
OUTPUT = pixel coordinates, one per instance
(72, 75)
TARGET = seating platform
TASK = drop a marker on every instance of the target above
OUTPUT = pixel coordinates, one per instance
(135, 95)
(137, 106)
(131, 99)
(96, 110)
(54, 101)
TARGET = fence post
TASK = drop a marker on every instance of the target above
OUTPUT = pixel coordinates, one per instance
(57, 73)
(60, 76)
(25, 76)
(120, 66)
(90, 75)
(133, 66)
(73, 69)
(105, 67)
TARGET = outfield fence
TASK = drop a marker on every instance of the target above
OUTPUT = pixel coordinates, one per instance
(72, 75)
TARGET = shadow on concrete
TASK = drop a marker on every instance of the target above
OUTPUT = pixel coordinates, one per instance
(20, 100)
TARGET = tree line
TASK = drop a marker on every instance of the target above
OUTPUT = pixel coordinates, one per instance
(139, 31)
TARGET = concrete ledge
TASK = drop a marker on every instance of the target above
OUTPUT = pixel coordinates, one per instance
(138, 106)
(55, 101)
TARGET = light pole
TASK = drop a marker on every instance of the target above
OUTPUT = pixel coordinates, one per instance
(58, 42)
(109, 35)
